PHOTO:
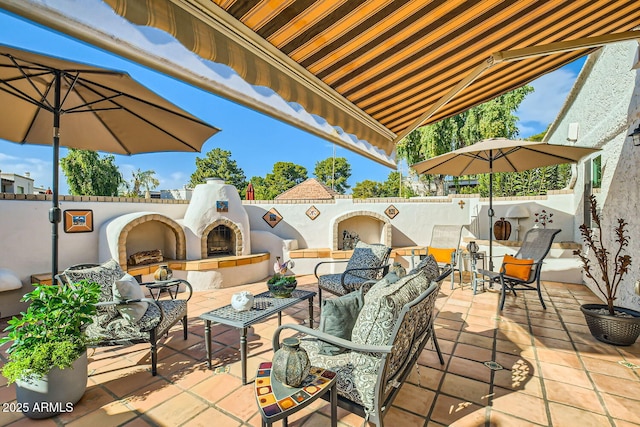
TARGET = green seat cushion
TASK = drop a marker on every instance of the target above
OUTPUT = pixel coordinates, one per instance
(338, 317)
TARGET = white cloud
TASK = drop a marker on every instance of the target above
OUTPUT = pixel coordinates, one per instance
(542, 106)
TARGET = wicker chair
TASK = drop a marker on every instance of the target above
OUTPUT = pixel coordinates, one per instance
(535, 247)
(109, 327)
(368, 261)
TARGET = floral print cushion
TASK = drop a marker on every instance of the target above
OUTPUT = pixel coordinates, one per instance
(104, 275)
(339, 364)
(368, 256)
(430, 266)
(332, 283)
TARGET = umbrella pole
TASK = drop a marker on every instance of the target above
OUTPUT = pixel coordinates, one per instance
(54, 212)
(491, 210)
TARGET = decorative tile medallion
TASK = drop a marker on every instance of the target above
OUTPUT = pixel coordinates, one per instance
(313, 212)
(493, 365)
(391, 211)
(272, 217)
(222, 206)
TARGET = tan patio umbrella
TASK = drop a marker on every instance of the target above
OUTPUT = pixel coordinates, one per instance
(500, 155)
(87, 108)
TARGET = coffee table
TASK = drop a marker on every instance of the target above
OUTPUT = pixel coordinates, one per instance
(264, 306)
(277, 401)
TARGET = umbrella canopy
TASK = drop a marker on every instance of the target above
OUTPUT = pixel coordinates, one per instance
(87, 108)
(500, 155)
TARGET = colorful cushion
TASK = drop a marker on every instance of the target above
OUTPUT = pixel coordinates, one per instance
(338, 317)
(442, 255)
(128, 288)
(518, 268)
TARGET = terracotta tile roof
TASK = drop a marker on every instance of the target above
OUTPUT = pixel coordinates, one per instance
(309, 189)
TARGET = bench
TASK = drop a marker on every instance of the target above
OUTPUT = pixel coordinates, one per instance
(390, 332)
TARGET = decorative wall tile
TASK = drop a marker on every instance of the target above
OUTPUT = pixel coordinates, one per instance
(391, 211)
(272, 217)
(313, 212)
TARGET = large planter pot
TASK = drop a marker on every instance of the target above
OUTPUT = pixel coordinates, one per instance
(612, 329)
(54, 393)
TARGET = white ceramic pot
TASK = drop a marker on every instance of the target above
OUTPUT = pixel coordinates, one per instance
(242, 301)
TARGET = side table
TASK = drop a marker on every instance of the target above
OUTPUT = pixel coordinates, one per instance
(473, 260)
(277, 401)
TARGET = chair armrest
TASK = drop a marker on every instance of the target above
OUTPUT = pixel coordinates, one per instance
(168, 285)
(315, 270)
(384, 268)
(340, 342)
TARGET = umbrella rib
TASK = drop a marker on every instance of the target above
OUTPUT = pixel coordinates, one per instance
(122, 107)
(43, 98)
(567, 159)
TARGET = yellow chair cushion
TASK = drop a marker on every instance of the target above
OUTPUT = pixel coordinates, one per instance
(441, 255)
(518, 268)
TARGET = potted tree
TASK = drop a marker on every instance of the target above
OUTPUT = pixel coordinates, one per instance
(607, 322)
(48, 352)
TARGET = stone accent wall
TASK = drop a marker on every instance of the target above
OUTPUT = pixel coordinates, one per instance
(387, 232)
(181, 241)
(231, 225)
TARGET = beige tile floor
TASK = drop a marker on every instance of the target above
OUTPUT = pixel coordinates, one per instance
(555, 373)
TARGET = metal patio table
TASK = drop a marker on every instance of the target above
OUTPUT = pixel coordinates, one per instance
(264, 306)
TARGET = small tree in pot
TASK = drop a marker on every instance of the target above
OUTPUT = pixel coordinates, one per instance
(614, 325)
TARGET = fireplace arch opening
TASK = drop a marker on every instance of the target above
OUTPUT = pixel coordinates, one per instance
(221, 238)
(369, 227)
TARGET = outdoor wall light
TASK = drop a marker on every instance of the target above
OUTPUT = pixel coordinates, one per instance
(635, 136)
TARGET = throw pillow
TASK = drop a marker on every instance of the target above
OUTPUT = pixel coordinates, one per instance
(128, 288)
(430, 267)
(518, 268)
(337, 319)
(442, 255)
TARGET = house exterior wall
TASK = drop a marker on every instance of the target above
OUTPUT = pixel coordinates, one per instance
(605, 105)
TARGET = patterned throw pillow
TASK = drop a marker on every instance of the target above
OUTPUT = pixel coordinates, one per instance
(368, 256)
(430, 267)
(128, 288)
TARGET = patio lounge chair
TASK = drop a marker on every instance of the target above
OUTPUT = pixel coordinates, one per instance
(522, 272)
(390, 332)
(445, 248)
(130, 320)
(368, 261)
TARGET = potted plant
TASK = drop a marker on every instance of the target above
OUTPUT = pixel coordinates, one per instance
(48, 352)
(608, 323)
(282, 286)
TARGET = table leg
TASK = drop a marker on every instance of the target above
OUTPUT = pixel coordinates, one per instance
(243, 354)
(207, 341)
(285, 423)
(311, 312)
(334, 404)
(279, 318)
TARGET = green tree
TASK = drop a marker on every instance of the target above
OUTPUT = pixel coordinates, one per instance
(389, 188)
(284, 176)
(366, 189)
(334, 172)
(88, 174)
(141, 179)
(218, 163)
(492, 119)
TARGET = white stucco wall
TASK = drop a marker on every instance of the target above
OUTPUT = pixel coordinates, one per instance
(605, 104)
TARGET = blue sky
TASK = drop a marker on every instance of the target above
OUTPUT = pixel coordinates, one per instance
(255, 140)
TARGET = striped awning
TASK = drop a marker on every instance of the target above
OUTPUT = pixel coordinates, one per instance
(378, 69)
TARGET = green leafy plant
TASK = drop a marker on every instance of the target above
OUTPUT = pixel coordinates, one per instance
(606, 277)
(51, 331)
(279, 279)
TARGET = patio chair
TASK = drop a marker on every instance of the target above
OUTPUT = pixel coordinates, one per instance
(368, 261)
(445, 248)
(390, 332)
(124, 316)
(522, 271)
